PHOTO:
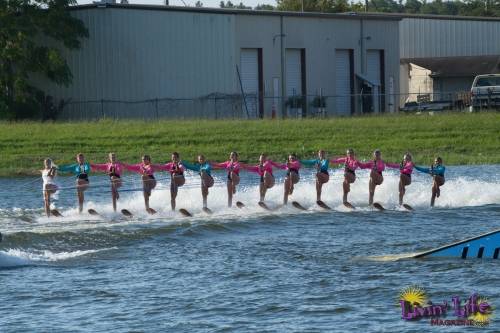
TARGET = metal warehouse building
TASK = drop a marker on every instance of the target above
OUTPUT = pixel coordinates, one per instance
(187, 62)
(159, 61)
(441, 55)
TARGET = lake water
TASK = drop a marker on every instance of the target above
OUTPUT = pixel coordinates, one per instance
(241, 270)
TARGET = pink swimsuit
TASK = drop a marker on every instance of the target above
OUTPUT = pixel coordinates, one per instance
(351, 164)
(173, 168)
(112, 169)
(229, 166)
(267, 166)
(141, 168)
(407, 168)
(290, 166)
(379, 167)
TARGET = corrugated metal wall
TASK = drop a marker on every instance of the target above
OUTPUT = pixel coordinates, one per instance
(428, 38)
(152, 63)
(320, 37)
(134, 55)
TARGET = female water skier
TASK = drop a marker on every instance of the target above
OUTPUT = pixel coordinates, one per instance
(265, 170)
(292, 167)
(350, 166)
(437, 172)
(377, 166)
(405, 170)
(204, 169)
(146, 169)
(81, 170)
(322, 176)
(114, 170)
(176, 170)
(49, 185)
(233, 175)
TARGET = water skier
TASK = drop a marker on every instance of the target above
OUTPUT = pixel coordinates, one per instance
(322, 176)
(204, 169)
(265, 170)
(49, 186)
(377, 166)
(436, 170)
(114, 171)
(350, 165)
(81, 170)
(233, 175)
(146, 170)
(292, 167)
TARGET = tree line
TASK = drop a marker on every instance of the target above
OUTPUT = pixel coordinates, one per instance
(490, 8)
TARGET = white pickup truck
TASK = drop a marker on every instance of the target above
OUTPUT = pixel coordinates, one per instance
(485, 92)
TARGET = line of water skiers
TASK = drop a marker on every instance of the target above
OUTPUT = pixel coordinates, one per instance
(264, 169)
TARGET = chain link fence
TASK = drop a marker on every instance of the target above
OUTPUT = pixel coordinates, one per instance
(253, 106)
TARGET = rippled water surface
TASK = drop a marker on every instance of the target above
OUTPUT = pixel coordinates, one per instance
(244, 270)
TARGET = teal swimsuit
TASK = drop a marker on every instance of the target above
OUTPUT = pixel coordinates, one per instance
(81, 171)
(437, 170)
(323, 164)
(206, 167)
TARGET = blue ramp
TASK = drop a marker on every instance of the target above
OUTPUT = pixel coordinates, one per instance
(483, 246)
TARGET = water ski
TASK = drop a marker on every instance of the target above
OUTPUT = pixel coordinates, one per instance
(56, 213)
(266, 207)
(378, 206)
(185, 212)
(349, 205)
(240, 204)
(263, 205)
(126, 213)
(408, 207)
(207, 210)
(93, 212)
(298, 205)
(323, 205)
(25, 219)
(151, 211)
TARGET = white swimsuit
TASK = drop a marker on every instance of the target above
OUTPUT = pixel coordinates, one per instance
(47, 180)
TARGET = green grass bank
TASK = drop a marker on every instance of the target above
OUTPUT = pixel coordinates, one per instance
(460, 138)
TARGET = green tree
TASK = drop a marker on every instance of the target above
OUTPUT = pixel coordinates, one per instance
(242, 6)
(264, 7)
(412, 6)
(228, 4)
(326, 6)
(384, 6)
(32, 33)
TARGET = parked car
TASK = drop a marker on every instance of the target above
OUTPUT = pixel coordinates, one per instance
(485, 92)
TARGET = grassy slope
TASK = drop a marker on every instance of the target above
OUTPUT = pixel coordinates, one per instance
(460, 138)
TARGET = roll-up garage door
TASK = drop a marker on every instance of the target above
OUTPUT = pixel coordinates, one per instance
(249, 72)
(343, 82)
(293, 73)
(373, 74)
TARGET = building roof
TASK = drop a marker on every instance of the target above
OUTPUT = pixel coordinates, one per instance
(460, 66)
(235, 11)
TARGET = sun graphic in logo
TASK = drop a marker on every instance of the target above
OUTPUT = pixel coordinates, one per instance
(482, 318)
(415, 295)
